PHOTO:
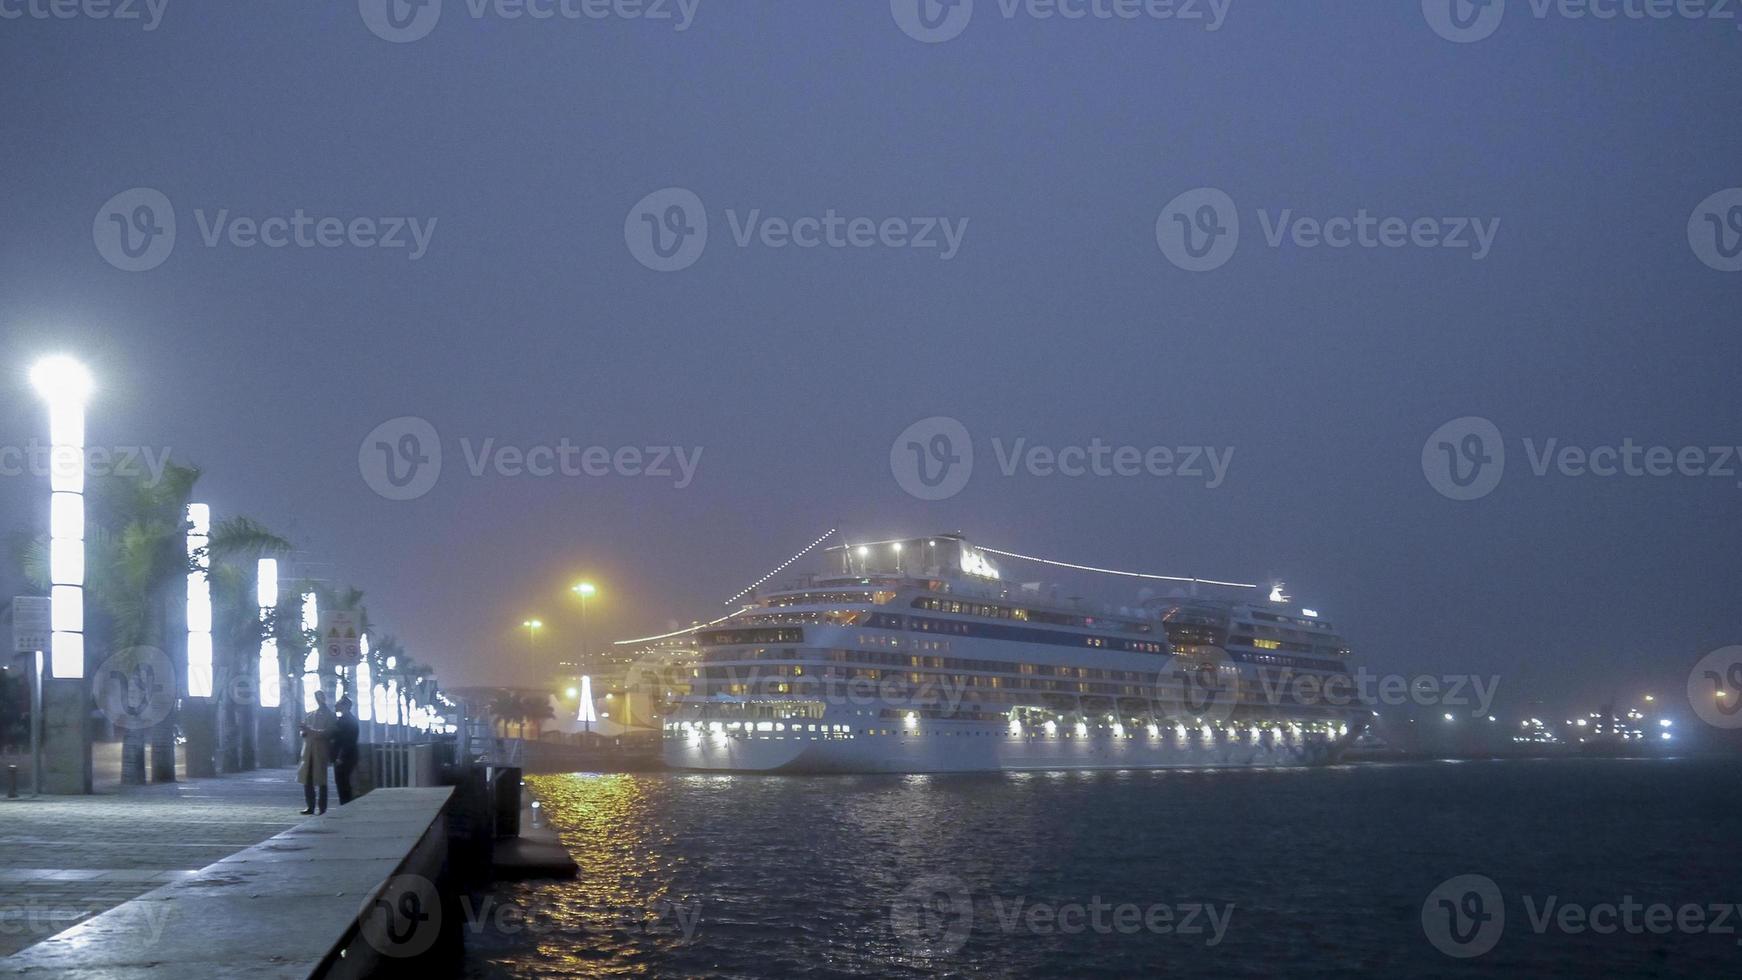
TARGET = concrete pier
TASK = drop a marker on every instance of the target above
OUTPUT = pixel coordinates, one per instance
(343, 895)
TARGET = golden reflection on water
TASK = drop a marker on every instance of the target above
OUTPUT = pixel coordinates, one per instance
(619, 910)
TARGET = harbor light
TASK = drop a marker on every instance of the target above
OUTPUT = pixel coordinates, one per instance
(587, 714)
(363, 684)
(199, 601)
(64, 385)
(311, 664)
(266, 597)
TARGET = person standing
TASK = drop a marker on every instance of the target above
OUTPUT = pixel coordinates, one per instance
(344, 749)
(317, 735)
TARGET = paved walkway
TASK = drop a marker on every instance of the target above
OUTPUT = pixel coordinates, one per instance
(64, 859)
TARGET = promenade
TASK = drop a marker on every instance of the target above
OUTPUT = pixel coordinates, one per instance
(64, 859)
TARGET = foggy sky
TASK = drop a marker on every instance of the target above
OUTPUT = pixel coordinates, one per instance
(1059, 321)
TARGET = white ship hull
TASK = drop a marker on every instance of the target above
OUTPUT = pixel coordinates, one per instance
(939, 752)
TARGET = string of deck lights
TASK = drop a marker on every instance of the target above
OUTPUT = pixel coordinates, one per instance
(751, 588)
(994, 551)
(779, 568)
(1114, 571)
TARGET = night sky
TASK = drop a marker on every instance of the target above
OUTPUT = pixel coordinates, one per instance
(1592, 317)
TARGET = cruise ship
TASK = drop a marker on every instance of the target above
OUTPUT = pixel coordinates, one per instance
(918, 656)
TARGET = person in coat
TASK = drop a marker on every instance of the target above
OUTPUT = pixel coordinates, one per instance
(344, 749)
(317, 735)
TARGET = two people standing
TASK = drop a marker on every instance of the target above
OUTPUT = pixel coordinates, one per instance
(328, 737)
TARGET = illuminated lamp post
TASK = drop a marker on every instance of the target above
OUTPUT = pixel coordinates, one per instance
(64, 386)
(201, 722)
(268, 729)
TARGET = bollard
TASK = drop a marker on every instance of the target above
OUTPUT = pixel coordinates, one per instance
(12, 782)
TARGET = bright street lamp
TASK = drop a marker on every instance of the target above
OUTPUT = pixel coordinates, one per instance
(65, 386)
(586, 590)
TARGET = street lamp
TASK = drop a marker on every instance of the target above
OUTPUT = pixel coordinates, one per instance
(585, 590)
(65, 385)
(532, 625)
(266, 597)
(199, 601)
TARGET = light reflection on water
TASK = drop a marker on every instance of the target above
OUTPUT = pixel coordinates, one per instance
(1327, 869)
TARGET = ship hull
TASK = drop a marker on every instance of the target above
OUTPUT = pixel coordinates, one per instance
(975, 752)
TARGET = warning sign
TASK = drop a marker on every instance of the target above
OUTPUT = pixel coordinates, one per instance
(342, 638)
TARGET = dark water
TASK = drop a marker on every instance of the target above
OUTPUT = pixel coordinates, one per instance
(1326, 871)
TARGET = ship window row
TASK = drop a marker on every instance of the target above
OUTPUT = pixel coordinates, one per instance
(1042, 695)
(830, 598)
(986, 610)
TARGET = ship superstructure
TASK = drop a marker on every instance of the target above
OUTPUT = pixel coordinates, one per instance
(918, 656)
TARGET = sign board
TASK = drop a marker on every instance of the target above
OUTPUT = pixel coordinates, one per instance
(342, 638)
(30, 623)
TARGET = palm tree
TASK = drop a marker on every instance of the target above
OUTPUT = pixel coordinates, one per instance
(136, 568)
(538, 711)
(234, 547)
(505, 708)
